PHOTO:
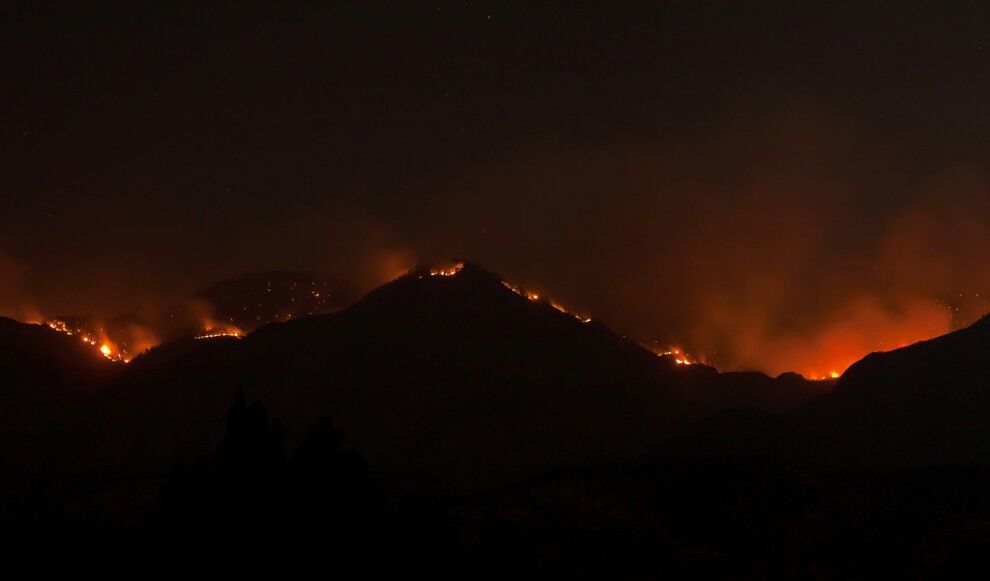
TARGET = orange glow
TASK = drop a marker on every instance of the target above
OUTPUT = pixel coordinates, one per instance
(563, 309)
(228, 331)
(860, 328)
(447, 270)
(534, 297)
(101, 343)
(675, 353)
(823, 353)
(140, 339)
(213, 329)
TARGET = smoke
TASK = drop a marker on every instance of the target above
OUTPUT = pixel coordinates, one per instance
(793, 239)
(787, 241)
(343, 236)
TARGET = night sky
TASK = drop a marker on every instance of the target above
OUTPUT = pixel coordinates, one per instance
(775, 187)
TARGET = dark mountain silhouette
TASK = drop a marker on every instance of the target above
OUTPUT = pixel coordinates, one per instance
(442, 381)
(582, 451)
(38, 357)
(927, 402)
(46, 377)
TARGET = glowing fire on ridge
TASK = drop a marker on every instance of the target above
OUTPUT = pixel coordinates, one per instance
(532, 296)
(679, 357)
(103, 345)
(675, 353)
(213, 330)
(447, 271)
(116, 353)
(122, 352)
(221, 332)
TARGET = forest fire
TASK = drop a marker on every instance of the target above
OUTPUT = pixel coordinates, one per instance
(447, 270)
(102, 344)
(125, 349)
(675, 353)
(535, 297)
(820, 356)
(221, 331)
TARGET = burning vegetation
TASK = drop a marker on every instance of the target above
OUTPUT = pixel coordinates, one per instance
(675, 353)
(234, 308)
(535, 297)
(229, 309)
(99, 340)
(213, 332)
(450, 270)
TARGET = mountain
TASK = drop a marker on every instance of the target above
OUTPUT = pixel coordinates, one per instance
(45, 378)
(446, 379)
(36, 357)
(234, 306)
(550, 440)
(927, 402)
(450, 377)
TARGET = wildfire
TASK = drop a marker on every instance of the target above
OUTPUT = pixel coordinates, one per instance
(675, 353)
(214, 333)
(102, 344)
(532, 296)
(814, 376)
(213, 330)
(448, 270)
(120, 352)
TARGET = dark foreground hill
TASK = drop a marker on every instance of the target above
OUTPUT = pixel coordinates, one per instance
(37, 357)
(732, 517)
(728, 517)
(457, 382)
(552, 446)
(46, 378)
(925, 403)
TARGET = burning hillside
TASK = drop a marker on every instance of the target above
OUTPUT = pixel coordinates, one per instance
(676, 354)
(94, 337)
(228, 309)
(235, 307)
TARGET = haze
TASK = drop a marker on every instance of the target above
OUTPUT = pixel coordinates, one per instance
(782, 192)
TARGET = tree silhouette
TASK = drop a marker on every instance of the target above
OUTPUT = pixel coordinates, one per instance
(320, 507)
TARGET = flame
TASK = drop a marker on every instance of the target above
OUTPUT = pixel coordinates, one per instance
(447, 270)
(675, 353)
(212, 330)
(225, 332)
(117, 353)
(534, 297)
(867, 327)
(101, 342)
